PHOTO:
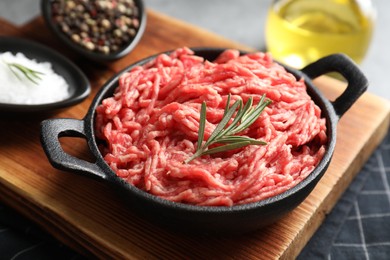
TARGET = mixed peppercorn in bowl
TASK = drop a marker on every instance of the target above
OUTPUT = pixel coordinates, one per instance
(99, 30)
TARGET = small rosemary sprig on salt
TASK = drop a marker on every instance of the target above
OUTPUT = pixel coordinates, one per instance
(244, 118)
(28, 73)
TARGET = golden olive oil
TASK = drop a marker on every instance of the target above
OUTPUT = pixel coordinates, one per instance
(299, 32)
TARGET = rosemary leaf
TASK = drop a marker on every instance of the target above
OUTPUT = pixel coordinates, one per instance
(30, 74)
(226, 147)
(251, 117)
(238, 138)
(240, 114)
(202, 124)
(227, 105)
(245, 116)
(225, 120)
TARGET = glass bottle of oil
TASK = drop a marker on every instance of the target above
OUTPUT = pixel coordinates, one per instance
(299, 32)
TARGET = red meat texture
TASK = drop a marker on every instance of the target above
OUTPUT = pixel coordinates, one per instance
(150, 127)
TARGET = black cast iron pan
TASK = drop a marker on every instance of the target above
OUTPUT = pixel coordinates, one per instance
(184, 217)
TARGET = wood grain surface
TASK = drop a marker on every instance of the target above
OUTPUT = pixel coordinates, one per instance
(87, 215)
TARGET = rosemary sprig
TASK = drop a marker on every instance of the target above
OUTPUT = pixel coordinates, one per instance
(245, 117)
(28, 73)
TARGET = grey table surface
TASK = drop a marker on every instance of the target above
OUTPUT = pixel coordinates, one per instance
(243, 22)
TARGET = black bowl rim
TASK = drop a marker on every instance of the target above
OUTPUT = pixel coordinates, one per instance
(35, 50)
(46, 11)
(313, 177)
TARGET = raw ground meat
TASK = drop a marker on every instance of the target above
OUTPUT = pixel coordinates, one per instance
(150, 127)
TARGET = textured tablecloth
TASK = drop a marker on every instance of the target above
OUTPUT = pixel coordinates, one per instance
(359, 225)
(357, 228)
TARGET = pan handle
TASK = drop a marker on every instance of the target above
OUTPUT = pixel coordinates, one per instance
(357, 82)
(51, 131)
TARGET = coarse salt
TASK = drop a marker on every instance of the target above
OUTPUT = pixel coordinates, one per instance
(20, 90)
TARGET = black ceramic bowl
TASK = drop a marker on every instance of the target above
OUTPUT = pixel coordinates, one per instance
(95, 56)
(235, 219)
(79, 87)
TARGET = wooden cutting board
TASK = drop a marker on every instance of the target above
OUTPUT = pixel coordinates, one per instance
(86, 214)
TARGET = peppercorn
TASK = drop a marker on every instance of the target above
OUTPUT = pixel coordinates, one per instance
(90, 46)
(97, 25)
(76, 38)
(106, 23)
